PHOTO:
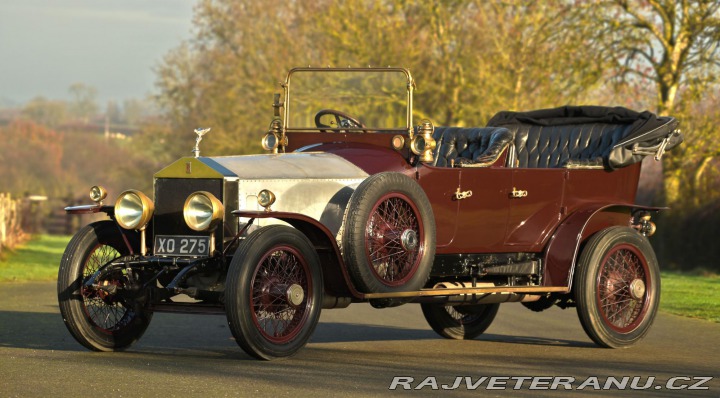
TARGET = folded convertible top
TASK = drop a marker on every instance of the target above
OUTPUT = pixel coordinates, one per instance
(647, 134)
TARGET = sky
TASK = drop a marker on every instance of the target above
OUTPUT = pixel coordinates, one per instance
(113, 46)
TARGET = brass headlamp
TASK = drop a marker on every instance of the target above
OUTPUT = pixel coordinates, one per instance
(133, 209)
(274, 138)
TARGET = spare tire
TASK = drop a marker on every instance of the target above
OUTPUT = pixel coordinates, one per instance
(388, 239)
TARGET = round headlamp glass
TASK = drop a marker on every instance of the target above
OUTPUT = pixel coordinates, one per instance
(133, 209)
(202, 211)
(417, 145)
(97, 193)
(270, 142)
(266, 198)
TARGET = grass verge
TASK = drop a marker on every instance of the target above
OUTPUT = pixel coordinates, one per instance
(35, 260)
(695, 296)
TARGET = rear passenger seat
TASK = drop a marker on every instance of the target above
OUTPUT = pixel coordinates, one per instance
(570, 146)
(588, 137)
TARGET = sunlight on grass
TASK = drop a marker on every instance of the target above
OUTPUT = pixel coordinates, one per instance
(695, 296)
(37, 259)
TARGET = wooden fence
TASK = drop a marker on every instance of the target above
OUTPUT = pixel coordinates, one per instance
(11, 232)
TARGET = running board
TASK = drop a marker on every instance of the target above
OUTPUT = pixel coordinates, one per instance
(467, 291)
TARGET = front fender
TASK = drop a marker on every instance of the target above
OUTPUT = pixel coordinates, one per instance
(564, 247)
(91, 209)
(335, 274)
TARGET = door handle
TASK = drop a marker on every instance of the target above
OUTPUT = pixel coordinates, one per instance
(516, 193)
(459, 195)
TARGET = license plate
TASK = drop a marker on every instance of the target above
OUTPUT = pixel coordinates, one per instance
(182, 245)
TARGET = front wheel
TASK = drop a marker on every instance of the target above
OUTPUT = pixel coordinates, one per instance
(462, 322)
(274, 292)
(97, 318)
(618, 287)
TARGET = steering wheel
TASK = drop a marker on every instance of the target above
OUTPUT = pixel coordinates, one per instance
(342, 120)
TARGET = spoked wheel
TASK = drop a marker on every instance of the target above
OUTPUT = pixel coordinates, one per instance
(462, 322)
(389, 236)
(101, 319)
(274, 292)
(618, 287)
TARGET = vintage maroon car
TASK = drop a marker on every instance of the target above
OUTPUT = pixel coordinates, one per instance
(354, 204)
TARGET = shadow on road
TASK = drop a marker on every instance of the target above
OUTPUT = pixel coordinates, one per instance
(36, 330)
(351, 332)
(46, 331)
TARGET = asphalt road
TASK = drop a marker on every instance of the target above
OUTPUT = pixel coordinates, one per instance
(355, 352)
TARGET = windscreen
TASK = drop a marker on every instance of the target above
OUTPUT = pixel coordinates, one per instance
(376, 98)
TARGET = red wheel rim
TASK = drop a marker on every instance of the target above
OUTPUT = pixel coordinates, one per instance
(621, 306)
(275, 317)
(103, 310)
(394, 239)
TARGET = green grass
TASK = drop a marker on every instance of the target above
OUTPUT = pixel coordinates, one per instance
(695, 296)
(35, 260)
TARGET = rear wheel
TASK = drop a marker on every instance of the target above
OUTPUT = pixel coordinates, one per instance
(274, 292)
(462, 322)
(97, 318)
(617, 289)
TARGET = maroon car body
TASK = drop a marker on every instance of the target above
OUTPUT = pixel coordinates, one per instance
(358, 204)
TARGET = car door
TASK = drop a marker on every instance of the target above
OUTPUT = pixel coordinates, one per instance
(440, 184)
(535, 202)
(483, 213)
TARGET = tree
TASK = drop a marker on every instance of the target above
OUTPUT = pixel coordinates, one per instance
(31, 156)
(671, 47)
(669, 43)
(84, 104)
(536, 57)
(470, 59)
(47, 112)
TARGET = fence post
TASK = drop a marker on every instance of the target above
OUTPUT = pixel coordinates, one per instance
(3, 215)
(10, 221)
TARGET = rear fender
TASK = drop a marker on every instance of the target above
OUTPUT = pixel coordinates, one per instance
(564, 247)
(335, 275)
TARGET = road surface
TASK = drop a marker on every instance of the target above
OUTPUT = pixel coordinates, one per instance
(357, 351)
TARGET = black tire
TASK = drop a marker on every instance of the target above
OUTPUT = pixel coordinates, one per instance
(389, 235)
(617, 288)
(97, 320)
(262, 316)
(462, 322)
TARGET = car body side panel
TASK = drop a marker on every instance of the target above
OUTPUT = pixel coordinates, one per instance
(593, 186)
(324, 200)
(564, 246)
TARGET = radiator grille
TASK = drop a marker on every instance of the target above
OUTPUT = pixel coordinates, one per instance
(170, 195)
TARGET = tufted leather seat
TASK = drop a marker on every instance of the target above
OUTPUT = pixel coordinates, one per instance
(470, 147)
(586, 136)
(572, 146)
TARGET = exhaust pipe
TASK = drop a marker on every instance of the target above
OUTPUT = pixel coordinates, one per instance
(482, 298)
